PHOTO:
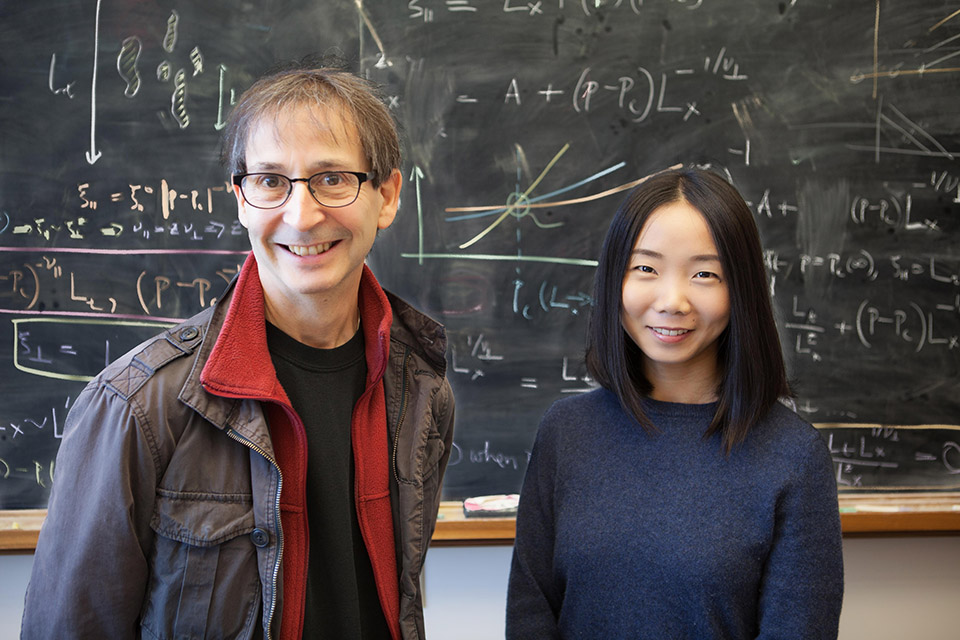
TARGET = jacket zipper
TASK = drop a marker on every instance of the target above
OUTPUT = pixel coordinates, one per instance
(403, 411)
(276, 567)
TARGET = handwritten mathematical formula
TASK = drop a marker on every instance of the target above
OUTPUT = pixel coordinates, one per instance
(873, 456)
(72, 348)
(429, 11)
(477, 356)
(139, 210)
(63, 283)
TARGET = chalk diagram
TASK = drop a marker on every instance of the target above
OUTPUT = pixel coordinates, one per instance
(519, 204)
(898, 126)
(890, 123)
(128, 62)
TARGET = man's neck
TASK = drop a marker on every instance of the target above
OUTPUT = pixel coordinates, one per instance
(328, 323)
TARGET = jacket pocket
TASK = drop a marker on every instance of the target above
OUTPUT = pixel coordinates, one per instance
(418, 459)
(204, 582)
(432, 454)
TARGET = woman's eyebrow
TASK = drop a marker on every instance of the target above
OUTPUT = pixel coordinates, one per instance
(705, 257)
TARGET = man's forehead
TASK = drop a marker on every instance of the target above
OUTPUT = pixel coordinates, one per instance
(326, 121)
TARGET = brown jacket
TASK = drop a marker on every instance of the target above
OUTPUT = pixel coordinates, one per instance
(164, 519)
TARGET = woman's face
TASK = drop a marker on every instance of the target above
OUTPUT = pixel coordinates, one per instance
(676, 303)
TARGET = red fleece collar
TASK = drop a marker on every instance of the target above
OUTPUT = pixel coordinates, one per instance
(240, 365)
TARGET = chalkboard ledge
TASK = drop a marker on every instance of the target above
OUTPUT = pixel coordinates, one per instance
(868, 514)
(19, 529)
(871, 514)
(900, 513)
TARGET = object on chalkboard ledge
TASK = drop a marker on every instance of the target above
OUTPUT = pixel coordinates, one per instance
(496, 506)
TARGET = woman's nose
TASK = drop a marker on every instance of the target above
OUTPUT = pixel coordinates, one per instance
(672, 298)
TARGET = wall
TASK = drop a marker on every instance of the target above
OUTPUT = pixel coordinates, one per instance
(896, 589)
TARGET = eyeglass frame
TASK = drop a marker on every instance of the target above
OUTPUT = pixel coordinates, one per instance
(362, 176)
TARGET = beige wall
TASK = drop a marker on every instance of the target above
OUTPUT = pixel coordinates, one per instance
(901, 588)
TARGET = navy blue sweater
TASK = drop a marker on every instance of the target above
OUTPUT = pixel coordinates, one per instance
(624, 534)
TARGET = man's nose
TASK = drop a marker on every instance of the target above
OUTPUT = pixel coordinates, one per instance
(301, 209)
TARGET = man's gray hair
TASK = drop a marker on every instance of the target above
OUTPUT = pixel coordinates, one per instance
(356, 100)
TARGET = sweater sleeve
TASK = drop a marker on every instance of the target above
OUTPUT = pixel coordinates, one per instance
(533, 594)
(802, 586)
(90, 570)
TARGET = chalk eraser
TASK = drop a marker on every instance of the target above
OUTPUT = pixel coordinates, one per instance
(497, 506)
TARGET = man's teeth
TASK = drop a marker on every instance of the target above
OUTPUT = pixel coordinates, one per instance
(311, 250)
(671, 332)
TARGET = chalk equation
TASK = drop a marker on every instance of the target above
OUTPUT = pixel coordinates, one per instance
(39, 472)
(48, 424)
(862, 266)
(481, 356)
(429, 11)
(911, 327)
(72, 348)
(100, 213)
(891, 209)
(66, 281)
(925, 457)
(20, 462)
(637, 94)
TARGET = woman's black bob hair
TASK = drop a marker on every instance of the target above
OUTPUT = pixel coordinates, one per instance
(753, 376)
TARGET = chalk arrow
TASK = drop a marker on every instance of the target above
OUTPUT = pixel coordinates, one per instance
(416, 176)
(93, 155)
(220, 124)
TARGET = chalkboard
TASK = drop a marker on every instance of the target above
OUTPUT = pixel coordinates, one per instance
(522, 121)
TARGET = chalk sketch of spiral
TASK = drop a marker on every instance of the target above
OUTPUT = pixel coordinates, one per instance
(170, 38)
(178, 101)
(127, 65)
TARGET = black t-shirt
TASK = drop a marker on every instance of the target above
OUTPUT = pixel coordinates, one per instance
(324, 385)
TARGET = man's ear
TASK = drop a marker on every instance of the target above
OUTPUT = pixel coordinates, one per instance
(241, 206)
(389, 191)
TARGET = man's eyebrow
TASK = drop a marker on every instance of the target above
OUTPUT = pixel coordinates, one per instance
(276, 167)
(264, 166)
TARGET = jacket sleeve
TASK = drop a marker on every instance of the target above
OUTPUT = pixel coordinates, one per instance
(802, 586)
(90, 569)
(444, 410)
(534, 593)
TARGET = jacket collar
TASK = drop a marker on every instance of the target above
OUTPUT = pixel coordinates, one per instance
(239, 364)
(418, 331)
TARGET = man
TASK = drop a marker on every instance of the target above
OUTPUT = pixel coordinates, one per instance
(271, 467)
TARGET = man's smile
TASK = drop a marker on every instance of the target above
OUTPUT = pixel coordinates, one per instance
(310, 250)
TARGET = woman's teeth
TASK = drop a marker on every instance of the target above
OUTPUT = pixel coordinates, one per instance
(671, 332)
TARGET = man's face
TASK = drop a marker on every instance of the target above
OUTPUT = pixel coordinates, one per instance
(308, 253)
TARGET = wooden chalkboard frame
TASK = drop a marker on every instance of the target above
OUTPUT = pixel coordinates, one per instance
(871, 514)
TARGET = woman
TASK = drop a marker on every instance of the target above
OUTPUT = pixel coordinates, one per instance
(680, 500)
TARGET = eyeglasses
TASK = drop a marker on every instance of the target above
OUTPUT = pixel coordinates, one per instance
(328, 188)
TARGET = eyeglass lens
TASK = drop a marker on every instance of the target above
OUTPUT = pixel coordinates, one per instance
(329, 188)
